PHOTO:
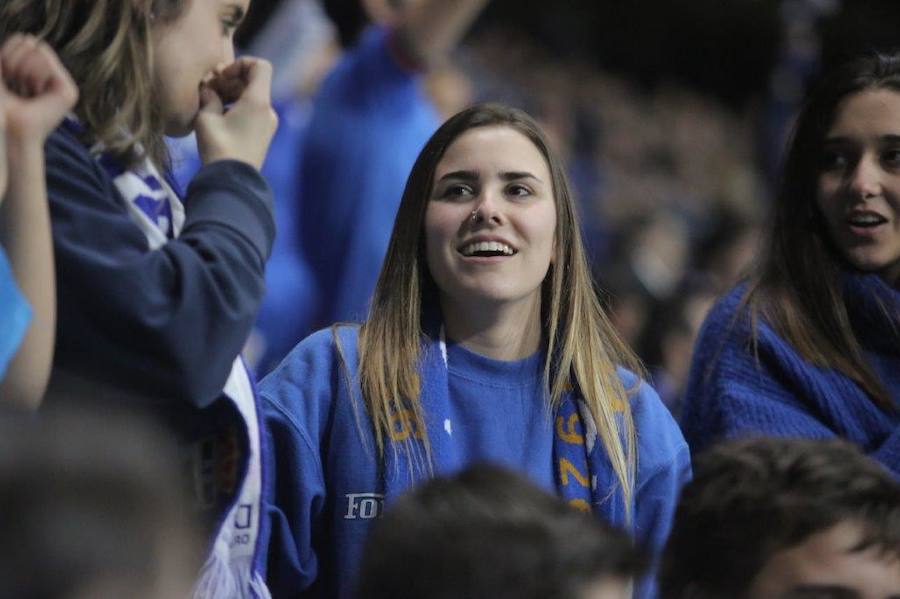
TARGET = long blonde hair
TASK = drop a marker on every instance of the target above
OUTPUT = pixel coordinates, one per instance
(106, 46)
(583, 349)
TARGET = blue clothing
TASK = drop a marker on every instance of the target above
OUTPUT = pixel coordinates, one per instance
(734, 392)
(15, 314)
(160, 329)
(329, 485)
(168, 322)
(291, 298)
(370, 120)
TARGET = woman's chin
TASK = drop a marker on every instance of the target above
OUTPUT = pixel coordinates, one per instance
(180, 125)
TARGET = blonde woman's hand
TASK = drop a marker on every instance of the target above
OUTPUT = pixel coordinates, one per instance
(236, 120)
(39, 91)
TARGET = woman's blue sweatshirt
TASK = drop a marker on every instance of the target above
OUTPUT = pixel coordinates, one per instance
(327, 488)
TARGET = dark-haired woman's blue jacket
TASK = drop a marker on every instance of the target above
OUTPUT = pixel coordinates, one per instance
(735, 392)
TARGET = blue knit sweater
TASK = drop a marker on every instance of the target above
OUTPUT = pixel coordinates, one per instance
(732, 392)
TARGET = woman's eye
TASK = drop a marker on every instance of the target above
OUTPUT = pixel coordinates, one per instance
(833, 161)
(891, 157)
(228, 26)
(456, 191)
(518, 190)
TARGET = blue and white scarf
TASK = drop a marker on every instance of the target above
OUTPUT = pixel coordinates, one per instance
(584, 475)
(233, 565)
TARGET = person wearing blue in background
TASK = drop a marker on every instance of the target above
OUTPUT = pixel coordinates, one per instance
(810, 345)
(36, 92)
(369, 121)
(156, 294)
(485, 342)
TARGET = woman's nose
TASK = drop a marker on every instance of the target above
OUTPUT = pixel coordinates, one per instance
(487, 207)
(865, 180)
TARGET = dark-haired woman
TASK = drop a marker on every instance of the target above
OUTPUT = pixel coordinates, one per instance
(810, 345)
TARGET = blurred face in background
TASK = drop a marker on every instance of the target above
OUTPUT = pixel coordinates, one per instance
(858, 190)
(607, 588)
(827, 566)
(387, 12)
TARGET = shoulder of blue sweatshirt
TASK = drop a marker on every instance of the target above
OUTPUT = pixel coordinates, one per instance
(326, 457)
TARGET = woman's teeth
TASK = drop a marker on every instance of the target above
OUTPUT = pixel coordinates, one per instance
(494, 248)
(866, 220)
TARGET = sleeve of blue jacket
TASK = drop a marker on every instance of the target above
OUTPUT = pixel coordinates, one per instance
(166, 322)
(664, 467)
(293, 400)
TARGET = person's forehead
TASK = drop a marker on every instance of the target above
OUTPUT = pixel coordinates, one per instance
(831, 559)
(497, 146)
(877, 109)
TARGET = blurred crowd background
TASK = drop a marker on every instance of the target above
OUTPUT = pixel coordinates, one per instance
(671, 116)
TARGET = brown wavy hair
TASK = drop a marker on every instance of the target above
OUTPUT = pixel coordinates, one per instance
(582, 348)
(106, 46)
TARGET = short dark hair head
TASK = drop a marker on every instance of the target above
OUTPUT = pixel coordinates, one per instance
(753, 498)
(93, 504)
(489, 533)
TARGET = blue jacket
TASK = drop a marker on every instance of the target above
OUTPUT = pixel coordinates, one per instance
(370, 119)
(159, 330)
(732, 392)
(327, 486)
(163, 323)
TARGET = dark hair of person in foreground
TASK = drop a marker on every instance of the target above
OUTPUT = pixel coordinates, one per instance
(756, 507)
(90, 506)
(488, 532)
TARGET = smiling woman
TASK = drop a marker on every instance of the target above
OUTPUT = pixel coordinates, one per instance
(485, 341)
(810, 345)
(859, 185)
(489, 231)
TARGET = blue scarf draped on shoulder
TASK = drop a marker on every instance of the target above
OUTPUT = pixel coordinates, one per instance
(582, 470)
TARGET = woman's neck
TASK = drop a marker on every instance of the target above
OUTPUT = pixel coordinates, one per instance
(892, 276)
(502, 331)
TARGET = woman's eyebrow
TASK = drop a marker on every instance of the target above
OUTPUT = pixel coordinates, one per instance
(821, 591)
(465, 175)
(515, 175)
(460, 175)
(844, 140)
